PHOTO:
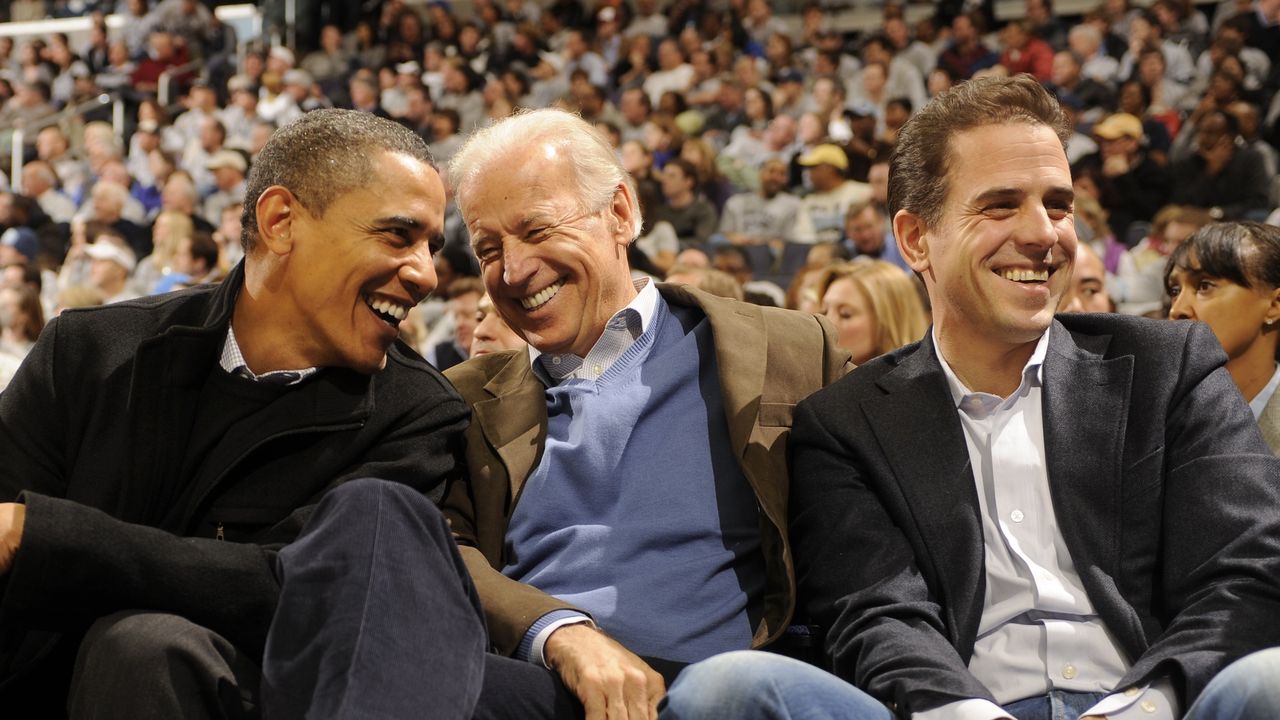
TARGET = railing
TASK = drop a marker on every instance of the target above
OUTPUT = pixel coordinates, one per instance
(19, 138)
(164, 89)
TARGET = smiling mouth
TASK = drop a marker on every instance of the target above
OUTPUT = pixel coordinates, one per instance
(388, 311)
(1022, 275)
(541, 297)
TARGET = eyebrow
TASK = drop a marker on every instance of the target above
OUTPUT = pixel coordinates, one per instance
(1064, 192)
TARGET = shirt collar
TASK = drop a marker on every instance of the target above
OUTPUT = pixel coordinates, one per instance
(1032, 372)
(1259, 402)
(232, 361)
(634, 319)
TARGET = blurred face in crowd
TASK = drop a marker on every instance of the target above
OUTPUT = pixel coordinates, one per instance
(773, 178)
(866, 229)
(491, 334)
(850, 312)
(463, 309)
(1088, 292)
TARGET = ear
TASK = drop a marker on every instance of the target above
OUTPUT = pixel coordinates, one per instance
(1272, 317)
(622, 215)
(278, 212)
(910, 232)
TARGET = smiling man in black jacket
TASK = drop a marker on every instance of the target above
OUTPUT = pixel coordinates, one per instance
(155, 454)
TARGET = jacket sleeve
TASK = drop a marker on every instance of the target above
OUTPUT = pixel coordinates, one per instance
(1218, 593)
(857, 573)
(510, 607)
(76, 563)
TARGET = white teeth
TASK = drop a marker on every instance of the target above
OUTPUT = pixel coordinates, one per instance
(1025, 275)
(386, 307)
(540, 297)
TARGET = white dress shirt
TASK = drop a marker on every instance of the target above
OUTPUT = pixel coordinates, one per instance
(1039, 630)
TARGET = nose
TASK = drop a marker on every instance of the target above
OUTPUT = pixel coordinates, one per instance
(1182, 308)
(1073, 303)
(418, 273)
(518, 264)
(1037, 229)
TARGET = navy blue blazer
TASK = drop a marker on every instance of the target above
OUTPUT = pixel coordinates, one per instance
(1166, 495)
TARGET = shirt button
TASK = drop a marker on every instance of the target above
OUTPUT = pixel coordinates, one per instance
(1131, 692)
(1017, 517)
(555, 361)
(595, 369)
(1069, 671)
(1147, 706)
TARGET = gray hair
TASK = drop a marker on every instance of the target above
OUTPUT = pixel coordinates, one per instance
(597, 171)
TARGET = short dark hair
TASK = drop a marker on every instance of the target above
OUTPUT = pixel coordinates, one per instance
(1246, 253)
(920, 164)
(204, 248)
(322, 155)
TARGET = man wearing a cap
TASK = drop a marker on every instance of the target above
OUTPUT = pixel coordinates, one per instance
(1132, 186)
(111, 262)
(159, 453)
(228, 168)
(820, 218)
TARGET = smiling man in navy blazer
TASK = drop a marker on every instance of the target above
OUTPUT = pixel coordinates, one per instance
(1027, 517)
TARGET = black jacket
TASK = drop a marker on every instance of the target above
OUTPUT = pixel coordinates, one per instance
(93, 433)
(1162, 488)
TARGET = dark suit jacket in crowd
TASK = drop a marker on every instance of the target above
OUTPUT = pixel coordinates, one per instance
(93, 436)
(1166, 496)
(768, 359)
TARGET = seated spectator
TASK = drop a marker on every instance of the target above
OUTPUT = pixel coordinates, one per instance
(167, 232)
(1227, 275)
(1131, 185)
(1024, 52)
(229, 169)
(492, 334)
(765, 217)
(1088, 290)
(21, 320)
(41, 184)
(966, 54)
(1224, 177)
(692, 216)
(1140, 276)
(1087, 43)
(733, 260)
(874, 306)
(463, 296)
(197, 258)
(111, 263)
(107, 200)
(867, 231)
(820, 217)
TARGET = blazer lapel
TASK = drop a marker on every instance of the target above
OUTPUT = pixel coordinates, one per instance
(918, 430)
(514, 420)
(1086, 405)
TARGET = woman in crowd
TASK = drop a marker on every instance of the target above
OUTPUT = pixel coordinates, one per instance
(1228, 276)
(874, 307)
(170, 227)
(21, 320)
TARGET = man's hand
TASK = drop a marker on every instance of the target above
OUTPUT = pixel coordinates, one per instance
(610, 680)
(13, 516)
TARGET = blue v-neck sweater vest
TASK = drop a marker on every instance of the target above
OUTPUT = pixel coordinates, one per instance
(638, 511)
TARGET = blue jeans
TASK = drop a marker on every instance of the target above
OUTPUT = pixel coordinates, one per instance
(753, 685)
(1247, 689)
(1057, 705)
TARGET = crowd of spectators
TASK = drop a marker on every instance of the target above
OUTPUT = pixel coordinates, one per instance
(759, 143)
